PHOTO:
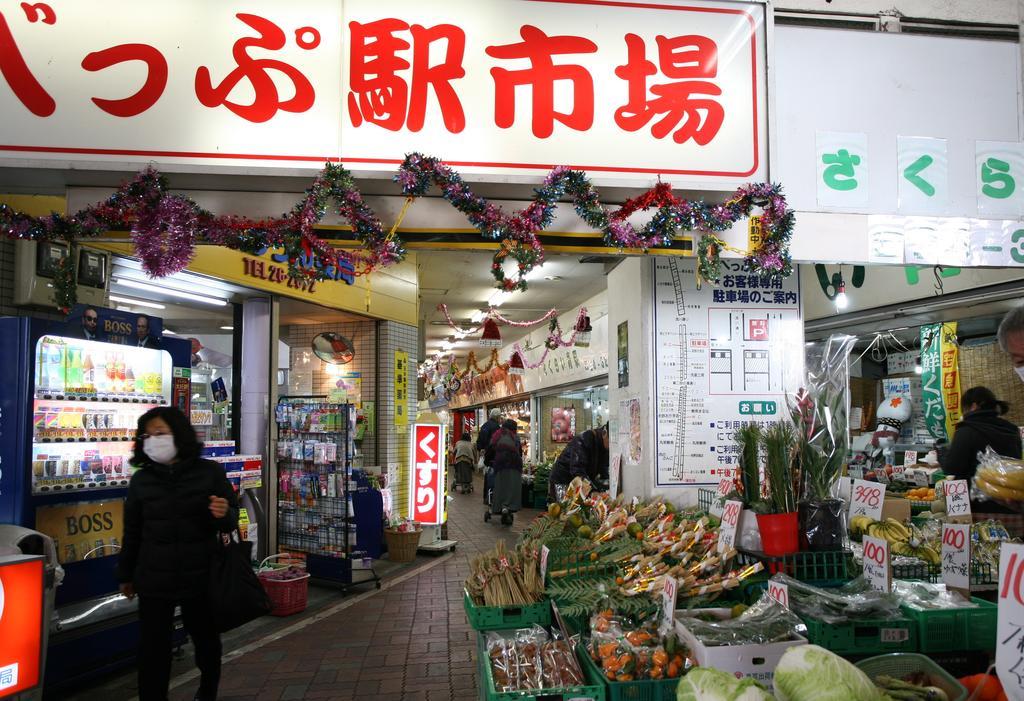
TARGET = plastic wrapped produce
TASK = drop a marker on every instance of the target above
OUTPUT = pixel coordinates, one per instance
(851, 602)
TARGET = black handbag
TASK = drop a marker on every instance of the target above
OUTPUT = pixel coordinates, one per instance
(236, 595)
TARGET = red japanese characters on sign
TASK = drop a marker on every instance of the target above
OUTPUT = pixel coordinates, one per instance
(426, 493)
(495, 85)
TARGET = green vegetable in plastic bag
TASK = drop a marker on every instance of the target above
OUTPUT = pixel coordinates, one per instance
(707, 684)
(812, 673)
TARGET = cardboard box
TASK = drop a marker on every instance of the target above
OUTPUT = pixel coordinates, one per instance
(896, 507)
(756, 661)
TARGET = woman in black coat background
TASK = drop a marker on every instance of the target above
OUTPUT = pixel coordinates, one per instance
(177, 505)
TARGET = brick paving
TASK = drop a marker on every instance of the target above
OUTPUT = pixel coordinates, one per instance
(408, 642)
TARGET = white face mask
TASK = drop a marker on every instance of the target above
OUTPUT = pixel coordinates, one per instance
(160, 449)
(1020, 372)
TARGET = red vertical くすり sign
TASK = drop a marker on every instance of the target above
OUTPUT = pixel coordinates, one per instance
(426, 496)
(21, 623)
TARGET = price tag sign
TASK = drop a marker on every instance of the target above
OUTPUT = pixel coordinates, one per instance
(614, 475)
(956, 555)
(1010, 631)
(894, 635)
(856, 471)
(730, 520)
(899, 471)
(724, 487)
(958, 497)
(910, 457)
(921, 479)
(668, 602)
(544, 552)
(867, 499)
(876, 564)
(779, 592)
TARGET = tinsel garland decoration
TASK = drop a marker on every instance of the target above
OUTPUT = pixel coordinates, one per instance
(493, 313)
(555, 341)
(673, 217)
(165, 228)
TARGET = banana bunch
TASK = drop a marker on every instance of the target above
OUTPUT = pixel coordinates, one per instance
(859, 525)
(921, 552)
(890, 530)
(1001, 483)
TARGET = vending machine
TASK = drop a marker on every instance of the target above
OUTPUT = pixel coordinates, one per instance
(71, 394)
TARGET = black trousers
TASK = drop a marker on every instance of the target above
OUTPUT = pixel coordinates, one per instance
(157, 622)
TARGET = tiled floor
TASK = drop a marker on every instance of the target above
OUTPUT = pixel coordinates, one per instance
(408, 642)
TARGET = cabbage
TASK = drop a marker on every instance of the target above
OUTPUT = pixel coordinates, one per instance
(706, 684)
(812, 673)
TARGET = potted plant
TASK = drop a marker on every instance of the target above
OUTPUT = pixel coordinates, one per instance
(777, 513)
(748, 439)
(821, 417)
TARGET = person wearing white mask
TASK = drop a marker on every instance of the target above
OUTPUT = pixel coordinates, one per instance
(177, 504)
(1011, 338)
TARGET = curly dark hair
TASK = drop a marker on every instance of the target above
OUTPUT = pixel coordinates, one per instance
(185, 439)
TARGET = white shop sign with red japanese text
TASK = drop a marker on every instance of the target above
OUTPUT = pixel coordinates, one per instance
(427, 494)
(504, 87)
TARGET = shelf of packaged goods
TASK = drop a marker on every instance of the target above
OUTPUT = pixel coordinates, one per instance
(83, 439)
(68, 487)
(154, 399)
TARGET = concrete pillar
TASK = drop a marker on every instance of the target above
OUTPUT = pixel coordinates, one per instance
(259, 343)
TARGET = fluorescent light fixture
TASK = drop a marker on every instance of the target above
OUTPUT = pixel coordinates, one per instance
(586, 404)
(170, 333)
(535, 274)
(227, 328)
(181, 294)
(478, 316)
(460, 334)
(136, 302)
(446, 346)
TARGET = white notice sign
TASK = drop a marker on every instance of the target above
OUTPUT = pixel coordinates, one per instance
(1010, 632)
(725, 355)
(727, 531)
(958, 497)
(867, 499)
(956, 555)
(876, 564)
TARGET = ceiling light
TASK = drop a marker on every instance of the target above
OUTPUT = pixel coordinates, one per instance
(136, 302)
(536, 273)
(181, 294)
(478, 316)
(499, 298)
(918, 368)
(586, 404)
(446, 346)
(227, 328)
(552, 278)
(169, 332)
(842, 301)
(460, 334)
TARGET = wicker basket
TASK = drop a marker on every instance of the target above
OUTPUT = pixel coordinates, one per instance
(287, 596)
(402, 545)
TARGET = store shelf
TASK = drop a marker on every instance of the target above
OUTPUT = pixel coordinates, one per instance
(86, 440)
(82, 486)
(104, 398)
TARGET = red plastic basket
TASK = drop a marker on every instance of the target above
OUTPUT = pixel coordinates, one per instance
(287, 596)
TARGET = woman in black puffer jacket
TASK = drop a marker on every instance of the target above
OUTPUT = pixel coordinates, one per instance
(177, 505)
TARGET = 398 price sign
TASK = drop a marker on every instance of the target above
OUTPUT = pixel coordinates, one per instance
(867, 499)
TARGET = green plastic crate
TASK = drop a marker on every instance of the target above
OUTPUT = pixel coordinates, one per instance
(540, 501)
(640, 690)
(590, 692)
(822, 569)
(506, 617)
(902, 665)
(867, 637)
(981, 572)
(948, 630)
